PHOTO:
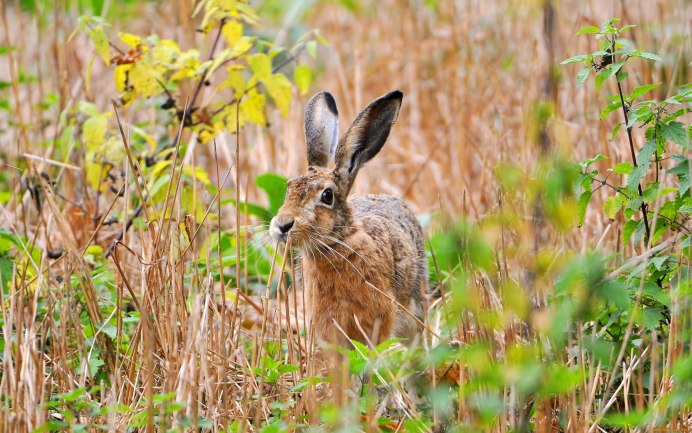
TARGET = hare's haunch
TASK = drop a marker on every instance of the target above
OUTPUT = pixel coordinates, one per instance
(363, 257)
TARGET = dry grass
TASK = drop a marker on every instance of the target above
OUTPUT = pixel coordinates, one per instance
(472, 77)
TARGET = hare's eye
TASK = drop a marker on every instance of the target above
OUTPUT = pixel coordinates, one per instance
(328, 196)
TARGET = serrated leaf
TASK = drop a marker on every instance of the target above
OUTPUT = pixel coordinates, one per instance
(651, 317)
(675, 132)
(576, 59)
(302, 75)
(611, 207)
(640, 170)
(623, 168)
(232, 30)
(235, 81)
(628, 229)
(588, 30)
(261, 66)
(252, 108)
(133, 41)
(101, 44)
(94, 130)
(609, 109)
(279, 88)
(584, 200)
(601, 77)
(640, 90)
(587, 162)
(582, 76)
(648, 56)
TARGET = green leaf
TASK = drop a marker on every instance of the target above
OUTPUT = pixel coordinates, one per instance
(651, 318)
(582, 76)
(253, 209)
(611, 207)
(639, 171)
(616, 292)
(302, 75)
(576, 59)
(648, 56)
(675, 132)
(274, 186)
(311, 47)
(588, 30)
(623, 168)
(101, 44)
(628, 229)
(609, 109)
(94, 130)
(587, 162)
(601, 77)
(584, 200)
(616, 129)
(640, 90)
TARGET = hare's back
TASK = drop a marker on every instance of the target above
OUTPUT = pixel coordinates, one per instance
(388, 209)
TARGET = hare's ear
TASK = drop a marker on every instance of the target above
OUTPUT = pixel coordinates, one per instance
(321, 128)
(366, 136)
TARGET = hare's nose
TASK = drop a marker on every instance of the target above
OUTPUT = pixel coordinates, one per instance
(285, 226)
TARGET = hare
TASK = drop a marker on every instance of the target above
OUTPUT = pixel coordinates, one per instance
(364, 265)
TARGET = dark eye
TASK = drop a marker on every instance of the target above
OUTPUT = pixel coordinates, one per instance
(328, 196)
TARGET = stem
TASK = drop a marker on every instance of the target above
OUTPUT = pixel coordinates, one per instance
(634, 156)
(204, 74)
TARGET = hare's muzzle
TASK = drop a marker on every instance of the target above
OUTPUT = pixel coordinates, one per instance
(279, 228)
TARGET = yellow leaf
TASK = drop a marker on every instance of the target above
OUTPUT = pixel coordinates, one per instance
(94, 131)
(252, 108)
(114, 151)
(145, 80)
(232, 31)
(96, 170)
(242, 46)
(165, 52)
(186, 65)
(303, 78)
(279, 88)
(159, 167)
(226, 119)
(235, 81)
(130, 39)
(197, 173)
(121, 72)
(261, 66)
(206, 134)
(101, 44)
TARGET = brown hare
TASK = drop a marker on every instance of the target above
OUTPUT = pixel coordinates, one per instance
(363, 257)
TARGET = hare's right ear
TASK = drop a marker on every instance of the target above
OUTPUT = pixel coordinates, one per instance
(321, 128)
(366, 136)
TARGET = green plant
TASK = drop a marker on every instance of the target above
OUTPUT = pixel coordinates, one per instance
(650, 192)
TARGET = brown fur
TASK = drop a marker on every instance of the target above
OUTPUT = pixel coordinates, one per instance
(363, 258)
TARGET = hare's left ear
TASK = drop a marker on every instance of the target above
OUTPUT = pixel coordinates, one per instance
(321, 129)
(366, 136)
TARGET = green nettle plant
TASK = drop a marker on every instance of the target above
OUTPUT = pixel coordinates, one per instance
(650, 192)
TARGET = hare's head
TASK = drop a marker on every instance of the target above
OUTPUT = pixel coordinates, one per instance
(315, 208)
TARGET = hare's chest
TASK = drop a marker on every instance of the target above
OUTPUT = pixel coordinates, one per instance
(350, 306)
